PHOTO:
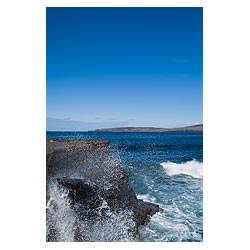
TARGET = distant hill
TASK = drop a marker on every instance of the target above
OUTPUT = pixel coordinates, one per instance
(194, 128)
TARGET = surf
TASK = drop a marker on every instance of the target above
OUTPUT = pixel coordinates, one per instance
(192, 168)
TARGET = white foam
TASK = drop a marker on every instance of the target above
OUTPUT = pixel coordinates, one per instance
(193, 168)
(146, 197)
(60, 217)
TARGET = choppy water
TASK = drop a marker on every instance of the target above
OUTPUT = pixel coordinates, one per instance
(163, 168)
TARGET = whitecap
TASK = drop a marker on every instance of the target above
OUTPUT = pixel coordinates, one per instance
(193, 168)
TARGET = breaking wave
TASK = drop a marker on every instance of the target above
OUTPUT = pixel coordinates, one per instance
(193, 168)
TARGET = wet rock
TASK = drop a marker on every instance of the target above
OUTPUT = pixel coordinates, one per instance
(84, 198)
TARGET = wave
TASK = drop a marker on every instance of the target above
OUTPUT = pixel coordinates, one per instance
(193, 168)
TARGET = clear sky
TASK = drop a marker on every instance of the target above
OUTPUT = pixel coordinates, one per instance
(109, 67)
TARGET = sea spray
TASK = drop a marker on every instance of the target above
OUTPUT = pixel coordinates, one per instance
(65, 223)
(61, 218)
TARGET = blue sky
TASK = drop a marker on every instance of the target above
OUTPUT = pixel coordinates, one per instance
(109, 67)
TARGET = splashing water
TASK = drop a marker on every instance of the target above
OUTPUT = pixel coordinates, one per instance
(61, 219)
(65, 224)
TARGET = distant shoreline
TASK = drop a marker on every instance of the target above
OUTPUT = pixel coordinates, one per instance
(194, 128)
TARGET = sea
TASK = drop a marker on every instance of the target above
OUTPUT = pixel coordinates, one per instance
(163, 168)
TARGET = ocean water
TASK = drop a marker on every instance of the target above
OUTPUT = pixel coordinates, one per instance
(163, 168)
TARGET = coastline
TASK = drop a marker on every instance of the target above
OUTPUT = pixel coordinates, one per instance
(194, 128)
(84, 169)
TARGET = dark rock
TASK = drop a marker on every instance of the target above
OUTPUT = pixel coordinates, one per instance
(85, 199)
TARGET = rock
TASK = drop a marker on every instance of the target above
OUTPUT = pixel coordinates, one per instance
(85, 199)
(76, 158)
(84, 169)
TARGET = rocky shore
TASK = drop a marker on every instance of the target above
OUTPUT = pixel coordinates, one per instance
(92, 184)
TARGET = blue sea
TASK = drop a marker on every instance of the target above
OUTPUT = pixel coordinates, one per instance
(163, 168)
